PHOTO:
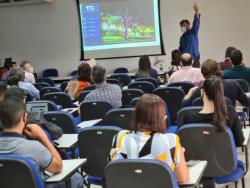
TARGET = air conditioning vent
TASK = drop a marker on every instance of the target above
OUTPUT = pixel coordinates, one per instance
(22, 2)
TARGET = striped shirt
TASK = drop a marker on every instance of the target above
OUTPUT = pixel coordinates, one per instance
(145, 145)
(106, 92)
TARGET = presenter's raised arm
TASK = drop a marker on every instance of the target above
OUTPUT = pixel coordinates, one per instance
(196, 23)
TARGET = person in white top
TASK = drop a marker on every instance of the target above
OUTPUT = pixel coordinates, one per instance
(28, 70)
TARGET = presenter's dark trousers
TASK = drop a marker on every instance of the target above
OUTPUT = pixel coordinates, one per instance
(196, 63)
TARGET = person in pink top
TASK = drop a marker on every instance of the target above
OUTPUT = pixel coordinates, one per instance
(187, 73)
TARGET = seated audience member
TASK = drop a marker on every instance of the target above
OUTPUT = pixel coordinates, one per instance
(104, 92)
(145, 70)
(232, 89)
(148, 133)
(187, 73)
(3, 88)
(238, 71)
(28, 71)
(215, 110)
(16, 78)
(227, 64)
(83, 80)
(29, 141)
(176, 62)
(53, 130)
(8, 67)
(92, 63)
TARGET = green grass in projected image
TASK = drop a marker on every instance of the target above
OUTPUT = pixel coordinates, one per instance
(120, 29)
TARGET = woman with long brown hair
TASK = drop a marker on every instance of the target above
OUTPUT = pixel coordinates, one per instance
(215, 110)
(148, 138)
(145, 70)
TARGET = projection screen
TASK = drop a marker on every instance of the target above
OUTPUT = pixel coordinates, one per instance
(120, 28)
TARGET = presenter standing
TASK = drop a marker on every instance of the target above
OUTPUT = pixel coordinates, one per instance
(189, 41)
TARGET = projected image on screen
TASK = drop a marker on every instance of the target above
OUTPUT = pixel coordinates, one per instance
(128, 27)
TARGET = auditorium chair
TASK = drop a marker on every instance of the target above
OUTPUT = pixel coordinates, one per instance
(185, 86)
(95, 144)
(124, 78)
(50, 73)
(205, 142)
(46, 90)
(145, 86)
(121, 70)
(17, 171)
(94, 110)
(60, 98)
(120, 117)
(139, 173)
(173, 99)
(151, 80)
(129, 94)
(40, 85)
(82, 96)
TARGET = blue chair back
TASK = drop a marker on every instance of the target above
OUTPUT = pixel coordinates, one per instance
(244, 85)
(63, 86)
(173, 98)
(82, 96)
(65, 120)
(204, 142)
(185, 86)
(51, 105)
(50, 73)
(16, 171)
(46, 90)
(59, 98)
(89, 88)
(121, 70)
(133, 102)
(139, 173)
(120, 117)
(113, 81)
(151, 80)
(47, 80)
(122, 77)
(94, 110)
(129, 94)
(95, 144)
(74, 73)
(40, 85)
(146, 87)
(182, 113)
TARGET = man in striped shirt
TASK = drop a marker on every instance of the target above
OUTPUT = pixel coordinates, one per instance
(104, 92)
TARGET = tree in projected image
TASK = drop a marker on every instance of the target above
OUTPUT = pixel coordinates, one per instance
(125, 28)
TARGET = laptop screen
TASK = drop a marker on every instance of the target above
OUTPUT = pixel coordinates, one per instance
(37, 107)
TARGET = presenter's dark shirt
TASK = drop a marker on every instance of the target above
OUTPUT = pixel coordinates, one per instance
(232, 90)
(189, 41)
(234, 124)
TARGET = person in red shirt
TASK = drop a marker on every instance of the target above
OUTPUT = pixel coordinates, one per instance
(83, 79)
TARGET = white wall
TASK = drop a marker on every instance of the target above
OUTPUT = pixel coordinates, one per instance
(48, 34)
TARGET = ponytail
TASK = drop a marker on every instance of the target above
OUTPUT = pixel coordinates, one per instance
(214, 90)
